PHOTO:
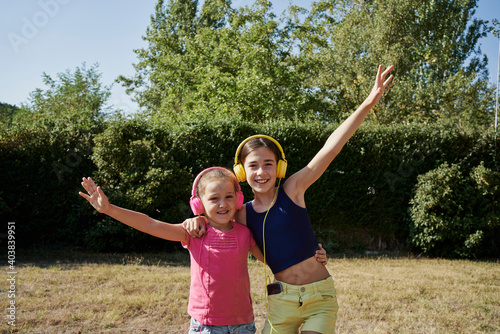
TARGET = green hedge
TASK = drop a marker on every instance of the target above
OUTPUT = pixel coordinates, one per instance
(361, 201)
(455, 214)
(41, 171)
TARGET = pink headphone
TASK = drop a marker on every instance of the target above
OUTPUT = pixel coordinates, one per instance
(195, 201)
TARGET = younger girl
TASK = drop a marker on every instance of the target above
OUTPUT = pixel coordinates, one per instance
(219, 299)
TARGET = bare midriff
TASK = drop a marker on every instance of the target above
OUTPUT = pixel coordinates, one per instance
(305, 272)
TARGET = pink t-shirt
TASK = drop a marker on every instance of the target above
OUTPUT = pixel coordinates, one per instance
(220, 285)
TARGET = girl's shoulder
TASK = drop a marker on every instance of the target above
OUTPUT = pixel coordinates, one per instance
(241, 215)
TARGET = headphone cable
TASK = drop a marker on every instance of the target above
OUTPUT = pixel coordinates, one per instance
(266, 279)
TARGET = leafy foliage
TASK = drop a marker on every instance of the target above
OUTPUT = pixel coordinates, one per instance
(8, 113)
(211, 78)
(77, 96)
(433, 46)
(224, 63)
(45, 152)
(456, 215)
(138, 170)
(41, 170)
(149, 165)
(318, 63)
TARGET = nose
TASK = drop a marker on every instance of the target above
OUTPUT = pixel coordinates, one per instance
(260, 170)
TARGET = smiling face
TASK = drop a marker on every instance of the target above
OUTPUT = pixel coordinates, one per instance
(260, 168)
(219, 201)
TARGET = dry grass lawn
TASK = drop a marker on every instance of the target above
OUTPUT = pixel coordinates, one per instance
(148, 293)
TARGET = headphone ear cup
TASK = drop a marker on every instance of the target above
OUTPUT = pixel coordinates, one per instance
(196, 205)
(239, 200)
(281, 169)
(239, 171)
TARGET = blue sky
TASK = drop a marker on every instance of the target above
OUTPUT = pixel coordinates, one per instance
(52, 36)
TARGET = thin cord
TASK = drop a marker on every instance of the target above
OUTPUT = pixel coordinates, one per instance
(266, 279)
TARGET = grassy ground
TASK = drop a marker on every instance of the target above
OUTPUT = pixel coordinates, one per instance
(95, 293)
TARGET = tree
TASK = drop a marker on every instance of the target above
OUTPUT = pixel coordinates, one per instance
(8, 113)
(72, 96)
(247, 63)
(222, 62)
(439, 72)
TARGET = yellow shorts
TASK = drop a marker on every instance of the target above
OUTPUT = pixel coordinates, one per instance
(309, 307)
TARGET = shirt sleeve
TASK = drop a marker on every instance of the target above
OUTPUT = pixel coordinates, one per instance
(188, 241)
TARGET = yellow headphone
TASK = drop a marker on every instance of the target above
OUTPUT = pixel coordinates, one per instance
(239, 170)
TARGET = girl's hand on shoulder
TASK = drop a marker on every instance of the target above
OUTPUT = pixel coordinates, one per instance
(96, 196)
(195, 227)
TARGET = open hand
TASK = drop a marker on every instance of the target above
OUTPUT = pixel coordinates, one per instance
(95, 195)
(380, 85)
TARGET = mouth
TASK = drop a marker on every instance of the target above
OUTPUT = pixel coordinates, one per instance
(261, 181)
(223, 212)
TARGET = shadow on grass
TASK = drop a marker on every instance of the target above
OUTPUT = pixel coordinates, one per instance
(69, 259)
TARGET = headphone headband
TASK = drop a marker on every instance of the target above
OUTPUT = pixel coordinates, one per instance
(198, 177)
(236, 160)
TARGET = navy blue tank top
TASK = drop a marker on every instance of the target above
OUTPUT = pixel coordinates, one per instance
(289, 235)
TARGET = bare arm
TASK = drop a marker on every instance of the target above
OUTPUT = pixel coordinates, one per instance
(137, 220)
(298, 183)
(257, 253)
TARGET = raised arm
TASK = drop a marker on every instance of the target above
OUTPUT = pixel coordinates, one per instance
(137, 220)
(298, 183)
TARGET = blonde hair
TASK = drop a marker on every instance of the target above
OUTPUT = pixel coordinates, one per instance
(219, 174)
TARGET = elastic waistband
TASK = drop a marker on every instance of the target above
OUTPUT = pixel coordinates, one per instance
(311, 287)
